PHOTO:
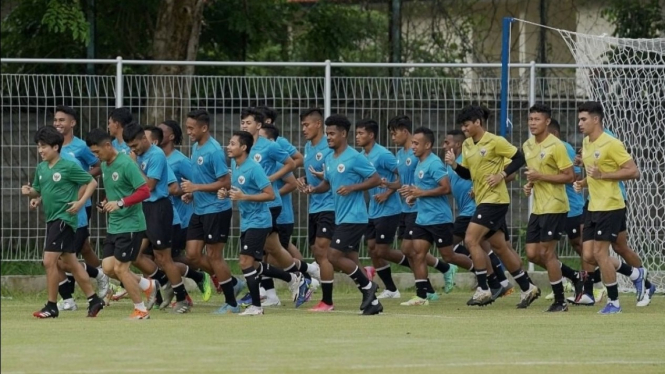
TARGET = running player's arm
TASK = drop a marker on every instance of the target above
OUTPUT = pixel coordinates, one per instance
(440, 175)
(364, 168)
(174, 188)
(627, 170)
(389, 162)
(89, 158)
(298, 159)
(221, 173)
(279, 155)
(81, 177)
(504, 149)
(460, 169)
(262, 183)
(34, 190)
(564, 164)
(154, 172)
(290, 184)
(292, 151)
(322, 187)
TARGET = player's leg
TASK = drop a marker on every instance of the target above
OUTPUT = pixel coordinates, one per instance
(380, 236)
(607, 227)
(126, 248)
(633, 264)
(252, 242)
(95, 303)
(321, 227)
(196, 237)
(475, 233)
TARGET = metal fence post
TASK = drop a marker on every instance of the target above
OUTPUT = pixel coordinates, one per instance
(532, 100)
(327, 88)
(118, 82)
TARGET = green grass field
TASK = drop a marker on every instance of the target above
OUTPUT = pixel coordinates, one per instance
(446, 336)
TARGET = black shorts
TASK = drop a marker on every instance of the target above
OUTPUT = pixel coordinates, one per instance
(212, 228)
(603, 226)
(573, 225)
(460, 226)
(406, 223)
(543, 228)
(320, 225)
(60, 237)
(382, 229)
(159, 223)
(124, 247)
(347, 237)
(275, 212)
(252, 242)
(585, 210)
(81, 236)
(491, 216)
(178, 240)
(623, 223)
(285, 231)
(440, 234)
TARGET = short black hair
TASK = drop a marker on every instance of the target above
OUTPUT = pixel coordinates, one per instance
(400, 122)
(473, 113)
(255, 113)
(245, 138)
(97, 137)
(369, 125)
(50, 136)
(268, 112)
(121, 115)
(155, 132)
(200, 115)
(132, 132)
(314, 112)
(339, 120)
(427, 133)
(554, 125)
(175, 129)
(67, 110)
(541, 108)
(456, 133)
(592, 107)
(271, 131)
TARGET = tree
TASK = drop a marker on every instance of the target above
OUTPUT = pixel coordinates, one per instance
(636, 19)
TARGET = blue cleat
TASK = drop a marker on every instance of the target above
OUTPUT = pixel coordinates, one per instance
(245, 301)
(449, 279)
(610, 308)
(227, 309)
(639, 283)
(304, 292)
(433, 296)
(652, 290)
(239, 287)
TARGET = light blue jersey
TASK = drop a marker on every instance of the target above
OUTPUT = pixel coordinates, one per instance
(270, 156)
(121, 147)
(153, 164)
(575, 200)
(208, 164)
(461, 189)
(385, 164)
(286, 214)
(315, 156)
(81, 215)
(406, 166)
(348, 169)
(251, 179)
(176, 216)
(431, 210)
(181, 167)
(86, 159)
(286, 145)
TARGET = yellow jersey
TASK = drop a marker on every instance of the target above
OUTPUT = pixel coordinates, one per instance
(548, 157)
(485, 158)
(608, 154)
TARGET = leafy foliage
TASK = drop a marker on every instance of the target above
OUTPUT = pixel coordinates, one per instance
(635, 19)
(66, 17)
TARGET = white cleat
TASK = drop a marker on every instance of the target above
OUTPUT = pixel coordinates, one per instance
(271, 301)
(314, 271)
(294, 286)
(389, 295)
(68, 304)
(646, 300)
(252, 311)
(314, 285)
(103, 284)
(262, 293)
(550, 296)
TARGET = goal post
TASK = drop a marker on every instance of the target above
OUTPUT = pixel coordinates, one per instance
(628, 77)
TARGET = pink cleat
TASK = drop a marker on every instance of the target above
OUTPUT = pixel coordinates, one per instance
(322, 307)
(371, 272)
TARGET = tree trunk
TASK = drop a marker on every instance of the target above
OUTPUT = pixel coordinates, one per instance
(176, 38)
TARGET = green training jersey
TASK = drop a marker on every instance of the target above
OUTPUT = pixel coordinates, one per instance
(59, 185)
(121, 179)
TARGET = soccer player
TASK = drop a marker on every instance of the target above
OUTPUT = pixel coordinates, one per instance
(271, 119)
(64, 120)
(125, 190)
(348, 174)
(57, 181)
(119, 118)
(548, 170)
(276, 162)
(606, 162)
(321, 209)
(483, 163)
(157, 209)
(211, 221)
(252, 189)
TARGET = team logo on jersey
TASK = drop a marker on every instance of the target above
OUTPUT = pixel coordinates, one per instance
(319, 156)
(421, 174)
(57, 177)
(341, 168)
(115, 176)
(241, 179)
(483, 152)
(257, 157)
(72, 154)
(143, 165)
(542, 155)
(199, 160)
(596, 154)
(408, 162)
(40, 177)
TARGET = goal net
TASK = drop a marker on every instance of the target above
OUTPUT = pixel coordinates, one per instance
(628, 77)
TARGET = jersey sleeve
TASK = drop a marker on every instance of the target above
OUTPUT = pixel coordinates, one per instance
(618, 153)
(76, 174)
(561, 157)
(363, 167)
(88, 157)
(389, 161)
(571, 155)
(134, 175)
(438, 171)
(154, 170)
(287, 146)
(219, 164)
(503, 148)
(183, 167)
(260, 178)
(36, 184)
(171, 175)
(277, 153)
